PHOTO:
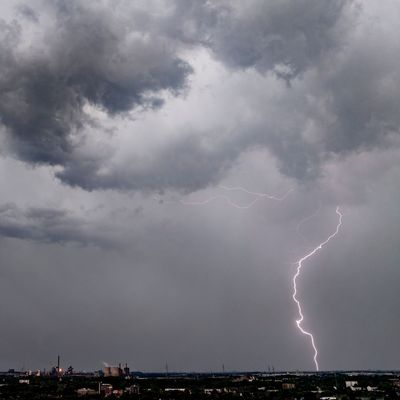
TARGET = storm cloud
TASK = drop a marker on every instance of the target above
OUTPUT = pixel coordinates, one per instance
(82, 55)
(315, 112)
(46, 225)
(122, 59)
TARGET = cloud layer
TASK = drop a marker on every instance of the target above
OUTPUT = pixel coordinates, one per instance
(123, 58)
(80, 54)
(46, 225)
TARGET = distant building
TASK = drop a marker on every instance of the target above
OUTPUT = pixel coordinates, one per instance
(288, 386)
(105, 389)
(116, 371)
(112, 371)
(57, 370)
(134, 389)
(70, 370)
(86, 392)
(117, 392)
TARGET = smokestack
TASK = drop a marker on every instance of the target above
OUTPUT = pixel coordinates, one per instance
(58, 363)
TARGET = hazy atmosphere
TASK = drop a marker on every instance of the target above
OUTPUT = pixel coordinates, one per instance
(165, 164)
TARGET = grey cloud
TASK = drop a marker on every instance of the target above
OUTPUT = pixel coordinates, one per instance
(185, 164)
(342, 69)
(28, 12)
(121, 59)
(362, 95)
(259, 35)
(285, 37)
(47, 225)
(194, 160)
(350, 100)
(90, 55)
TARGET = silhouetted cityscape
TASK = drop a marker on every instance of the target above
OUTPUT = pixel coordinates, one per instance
(119, 381)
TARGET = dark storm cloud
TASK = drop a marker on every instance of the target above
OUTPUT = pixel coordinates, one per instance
(343, 75)
(185, 164)
(281, 36)
(89, 55)
(46, 226)
(118, 58)
(350, 97)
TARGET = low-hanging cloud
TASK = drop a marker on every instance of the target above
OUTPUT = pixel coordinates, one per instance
(122, 57)
(47, 225)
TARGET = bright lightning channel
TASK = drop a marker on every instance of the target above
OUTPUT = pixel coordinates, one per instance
(297, 274)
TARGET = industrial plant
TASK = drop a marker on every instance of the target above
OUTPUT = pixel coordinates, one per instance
(116, 371)
(118, 381)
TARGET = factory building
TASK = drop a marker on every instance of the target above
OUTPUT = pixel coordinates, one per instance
(116, 371)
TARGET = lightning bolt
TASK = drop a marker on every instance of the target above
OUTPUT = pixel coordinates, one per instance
(297, 274)
(257, 197)
(228, 200)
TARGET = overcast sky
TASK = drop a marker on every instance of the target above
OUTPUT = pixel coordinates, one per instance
(122, 123)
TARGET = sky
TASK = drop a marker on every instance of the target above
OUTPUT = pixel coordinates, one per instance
(125, 127)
